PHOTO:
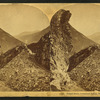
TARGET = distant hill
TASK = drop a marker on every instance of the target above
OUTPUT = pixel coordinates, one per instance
(95, 37)
(32, 37)
(7, 41)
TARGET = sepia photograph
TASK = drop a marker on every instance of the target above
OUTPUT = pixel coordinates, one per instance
(49, 49)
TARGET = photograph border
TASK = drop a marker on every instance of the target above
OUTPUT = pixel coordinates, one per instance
(50, 94)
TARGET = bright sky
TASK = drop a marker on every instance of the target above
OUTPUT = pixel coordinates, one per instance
(85, 17)
(17, 18)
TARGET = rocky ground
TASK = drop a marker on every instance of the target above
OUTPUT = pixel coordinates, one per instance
(4, 87)
(87, 73)
(22, 74)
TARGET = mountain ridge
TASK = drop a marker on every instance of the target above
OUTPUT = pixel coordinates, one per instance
(95, 37)
(7, 41)
(33, 37)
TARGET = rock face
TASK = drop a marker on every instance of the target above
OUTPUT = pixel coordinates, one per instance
(56, 39)
(62, 31)
(52, 51)
(60, 47)
(42, 51)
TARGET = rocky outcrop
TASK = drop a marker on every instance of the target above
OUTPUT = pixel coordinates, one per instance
(56, 47)
(57, 35)
(77, 58)
(42, 51)
(60, 47)
(10, 54)
(87, 73)
(0, 50)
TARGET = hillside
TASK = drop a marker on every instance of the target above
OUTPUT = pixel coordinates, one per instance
(77, 58)
(87, 73)
(95, 37)
(21, 73)
(79, 41)
(32, 37)
(7, 41)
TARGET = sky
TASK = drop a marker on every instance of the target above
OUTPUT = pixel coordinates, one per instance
(18, 18)
(85, 17)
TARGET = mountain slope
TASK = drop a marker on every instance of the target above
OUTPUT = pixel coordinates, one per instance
(77, 58)
(95, 37)
(79, 41)
(87, 73)
(7, 41)
(32, 37)
(21, 73)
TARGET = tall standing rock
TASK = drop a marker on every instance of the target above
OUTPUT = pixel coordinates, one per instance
(54, 48)
(42, 51)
